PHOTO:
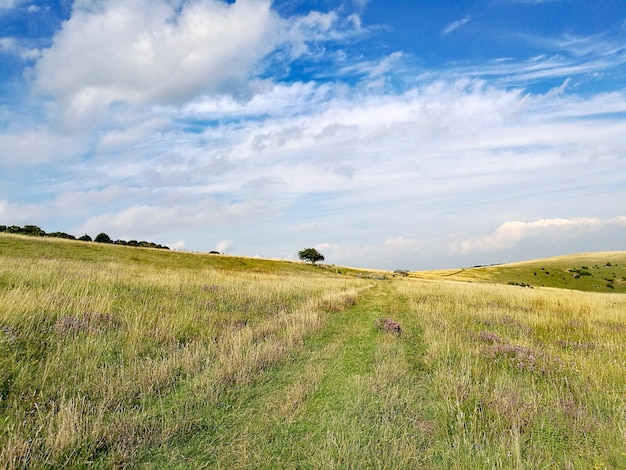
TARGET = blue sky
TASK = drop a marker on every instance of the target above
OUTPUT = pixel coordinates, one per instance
(387, 134)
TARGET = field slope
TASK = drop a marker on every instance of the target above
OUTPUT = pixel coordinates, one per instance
(590, 272)
(116, 357)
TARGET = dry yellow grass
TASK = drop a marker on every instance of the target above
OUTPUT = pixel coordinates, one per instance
(88, 347)
(122, 357)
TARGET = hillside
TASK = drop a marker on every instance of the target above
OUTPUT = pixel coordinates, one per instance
(28, 247)
(590, 272)
(113, 356)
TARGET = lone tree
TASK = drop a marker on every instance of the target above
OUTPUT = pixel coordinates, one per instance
(310, 254)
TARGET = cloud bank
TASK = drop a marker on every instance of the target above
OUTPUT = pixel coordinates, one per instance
(213, 125)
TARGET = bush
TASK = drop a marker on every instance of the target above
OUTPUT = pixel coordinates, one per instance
(103, 238)
(67, 236)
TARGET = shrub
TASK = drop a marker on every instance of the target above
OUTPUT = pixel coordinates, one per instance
(67, 236)
(33, 230)
(103, 238)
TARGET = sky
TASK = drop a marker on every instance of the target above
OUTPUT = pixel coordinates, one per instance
(406, 134)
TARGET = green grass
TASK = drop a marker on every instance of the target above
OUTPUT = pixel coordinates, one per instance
(590, 272)
(124, 357)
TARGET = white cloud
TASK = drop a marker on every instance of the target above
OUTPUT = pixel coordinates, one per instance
(566, 57)
(140, 221)
(150, 52)
(179, 245)
(443, 144)
(10, 45)
(512, 233)
(371, 176)
(20, 214)
(581, 46)
(224, 245)
(456, 24)
(374, 71)
(145, 51)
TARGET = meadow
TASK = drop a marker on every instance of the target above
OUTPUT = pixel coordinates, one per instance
(115, 357)
(589, 272)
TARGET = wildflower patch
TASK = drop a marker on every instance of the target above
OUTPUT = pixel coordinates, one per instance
(388, 326)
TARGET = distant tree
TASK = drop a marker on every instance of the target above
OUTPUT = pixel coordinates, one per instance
(310, 255)
(85, 238)
(67, 236)
(33, 230)
(103, 238)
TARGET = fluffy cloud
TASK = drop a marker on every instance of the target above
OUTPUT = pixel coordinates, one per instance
(550, 231)
(158, 52)
(147, 51)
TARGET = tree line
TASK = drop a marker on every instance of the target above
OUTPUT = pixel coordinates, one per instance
(35, 231)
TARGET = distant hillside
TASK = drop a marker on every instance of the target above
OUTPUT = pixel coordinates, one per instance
(26, 247)
(590, 272)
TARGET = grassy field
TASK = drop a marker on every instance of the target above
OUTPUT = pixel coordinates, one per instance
(590, 272)
(125, 357)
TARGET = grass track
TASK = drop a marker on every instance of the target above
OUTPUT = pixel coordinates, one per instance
(433, 397)
(340, 403)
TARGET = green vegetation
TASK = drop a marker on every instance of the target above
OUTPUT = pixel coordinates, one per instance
(310, 255)
(35, 231)
(590, 272)
(114, 357)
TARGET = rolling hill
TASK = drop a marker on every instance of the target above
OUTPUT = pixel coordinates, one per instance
(116, 357)
(590, 272)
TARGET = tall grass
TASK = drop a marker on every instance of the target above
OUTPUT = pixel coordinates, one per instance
(523, 378)
(93, 353)
(116, 357)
